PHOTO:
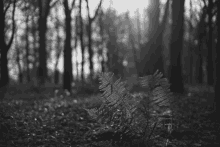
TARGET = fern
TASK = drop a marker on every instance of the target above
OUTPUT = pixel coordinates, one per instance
(133, 117)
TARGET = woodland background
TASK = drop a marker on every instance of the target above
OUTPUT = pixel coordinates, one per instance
(34, 36)
(58, 47)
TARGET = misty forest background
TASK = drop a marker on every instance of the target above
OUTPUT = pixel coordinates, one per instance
(181, 42)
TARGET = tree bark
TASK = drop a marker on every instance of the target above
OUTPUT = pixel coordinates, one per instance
(176, 46)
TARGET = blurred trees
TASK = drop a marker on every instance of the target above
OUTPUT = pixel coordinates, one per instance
(115, 31)
(101, 39)
(152, 57)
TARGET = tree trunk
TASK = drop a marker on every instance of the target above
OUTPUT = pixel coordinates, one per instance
(190, 46)
(67, 76)
(217, 65)
(42, 52)
(18, 59)
(27, 49)
(56, 76)
(44, 7)
(4, 47)
(90, 33)
(90, 50)
(101, 33)
(210, 66)
(82, 40)
(176, 46)
(4, 67)
(20, 74)
(200, 72)
(200, 35)
(35, 42)
(58, 49)
(76, 44)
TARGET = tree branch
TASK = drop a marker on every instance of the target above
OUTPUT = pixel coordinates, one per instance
(205, 5)
(87, 6)
(13, 26)
(73, 4)
(97, 10)
(54, 3)
(7, 7)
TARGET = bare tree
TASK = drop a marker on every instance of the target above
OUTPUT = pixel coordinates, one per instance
(27, 46)
(44, 9)
(59, 49)
(76, 44)
(68, 69)
(82, 40)
(176, 46)
(190, 47)
(18, 59)
(5, 46)
(90, 33)
(100, 46)
(210, 66)
(200, 36)
(217, 65)
(35, 54)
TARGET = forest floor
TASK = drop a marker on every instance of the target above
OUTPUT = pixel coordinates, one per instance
(40, 119)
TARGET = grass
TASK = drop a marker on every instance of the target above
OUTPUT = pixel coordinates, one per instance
(38, 118)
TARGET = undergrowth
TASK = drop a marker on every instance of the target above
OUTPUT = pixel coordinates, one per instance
(60, 120)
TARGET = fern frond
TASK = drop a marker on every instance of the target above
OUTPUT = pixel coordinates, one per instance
(158, 89)
(130, 114)
(115, 94)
